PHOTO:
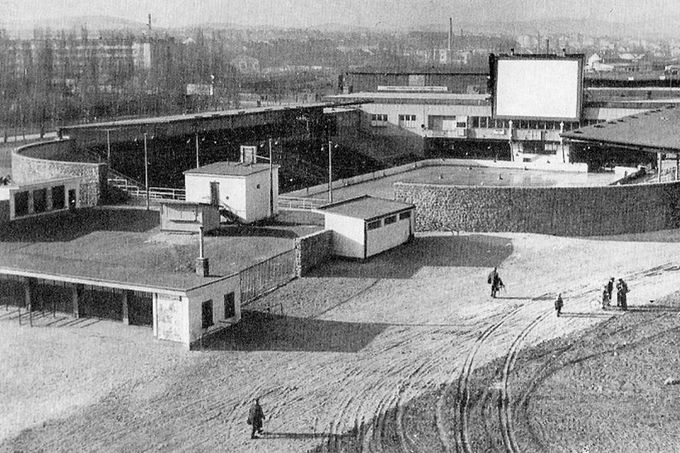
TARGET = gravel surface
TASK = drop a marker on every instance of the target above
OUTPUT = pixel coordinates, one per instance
(393, 354)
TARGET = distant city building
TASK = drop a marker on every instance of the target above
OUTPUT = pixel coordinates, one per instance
(246, 65)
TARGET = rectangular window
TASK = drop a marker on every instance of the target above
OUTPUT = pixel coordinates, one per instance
(229, 306)
(407, 120)
(21, 204)
(378, 119)
(373, 225)
(39, 200)
(390, 220)
(207, 314)
(58, 197)
(405, 215)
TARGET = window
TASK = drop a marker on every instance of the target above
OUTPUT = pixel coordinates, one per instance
(379, 119)
(407, 120)
(405, 215)
(21, 204)
(390, 220)
(229, 306)
(40, 200)
(373, 225)
(207, 314)
(58, 197)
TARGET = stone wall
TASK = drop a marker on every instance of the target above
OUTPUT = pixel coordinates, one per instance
(564, 211)
(4, 210)
(312, 250)
(45, 161)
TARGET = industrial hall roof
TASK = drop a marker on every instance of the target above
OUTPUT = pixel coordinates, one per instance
(229, 169)
(366, 207)
(655, 130)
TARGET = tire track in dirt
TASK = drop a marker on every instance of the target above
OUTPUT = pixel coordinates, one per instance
(408, 390)
(554, 364)
(460, 408)
(504, 413)
(408, 378)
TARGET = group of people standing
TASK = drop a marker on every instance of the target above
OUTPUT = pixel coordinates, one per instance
(621, 292)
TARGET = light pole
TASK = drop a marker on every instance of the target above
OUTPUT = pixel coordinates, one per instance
(198, 163)
(330, 171)
(146, 171)
(271, 181)
(108, 147)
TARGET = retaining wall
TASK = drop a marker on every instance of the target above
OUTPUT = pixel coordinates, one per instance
(312, 250)
(565, 211)
(49, 160)
(322, 188)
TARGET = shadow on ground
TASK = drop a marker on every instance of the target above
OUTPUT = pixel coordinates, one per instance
(268, 332)
(432, 251)
(68, 226)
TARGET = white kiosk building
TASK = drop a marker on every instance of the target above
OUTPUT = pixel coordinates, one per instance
(365, 226)
(249, 191)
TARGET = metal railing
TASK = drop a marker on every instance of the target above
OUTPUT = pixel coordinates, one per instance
(156, 193)
(286, 202)
(267, 275)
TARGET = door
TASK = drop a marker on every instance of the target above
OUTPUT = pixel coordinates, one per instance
(72, 199)
(214, 193)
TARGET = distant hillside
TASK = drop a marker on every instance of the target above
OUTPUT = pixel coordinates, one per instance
(559, 26)
(92, 23)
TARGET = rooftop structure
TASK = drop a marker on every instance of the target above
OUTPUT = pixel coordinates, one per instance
(366, 207)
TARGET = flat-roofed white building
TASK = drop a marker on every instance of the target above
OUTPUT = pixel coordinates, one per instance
(20, 200)
(249, 192)
(365, 226)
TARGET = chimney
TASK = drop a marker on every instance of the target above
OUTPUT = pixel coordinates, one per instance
(450, 39)
(149, 24)
(248, 155)
(202, 263)
(547, 46)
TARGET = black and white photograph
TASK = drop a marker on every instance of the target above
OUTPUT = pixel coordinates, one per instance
(340, 226)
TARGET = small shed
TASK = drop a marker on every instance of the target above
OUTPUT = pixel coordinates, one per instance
(247, 191)
(365, 226)
(188, 217)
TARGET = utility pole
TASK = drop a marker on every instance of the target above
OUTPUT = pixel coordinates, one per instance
(108, 147)
(330, 171)
(198, 162)
(271, 181)
(146, 171)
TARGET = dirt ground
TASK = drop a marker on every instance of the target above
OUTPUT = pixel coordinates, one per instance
(404, 352)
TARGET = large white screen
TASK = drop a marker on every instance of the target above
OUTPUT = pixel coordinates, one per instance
(538, 88)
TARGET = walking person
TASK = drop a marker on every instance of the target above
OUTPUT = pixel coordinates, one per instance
(496, 283)
(559, 303)
(622, 288)
(255, 418)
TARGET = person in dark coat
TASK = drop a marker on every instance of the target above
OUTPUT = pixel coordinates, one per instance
(610, 288)
(559, 303)
(622, 290)
(496, 283)
(255, 418)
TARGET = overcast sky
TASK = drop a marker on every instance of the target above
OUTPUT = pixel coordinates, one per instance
(369, 13)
